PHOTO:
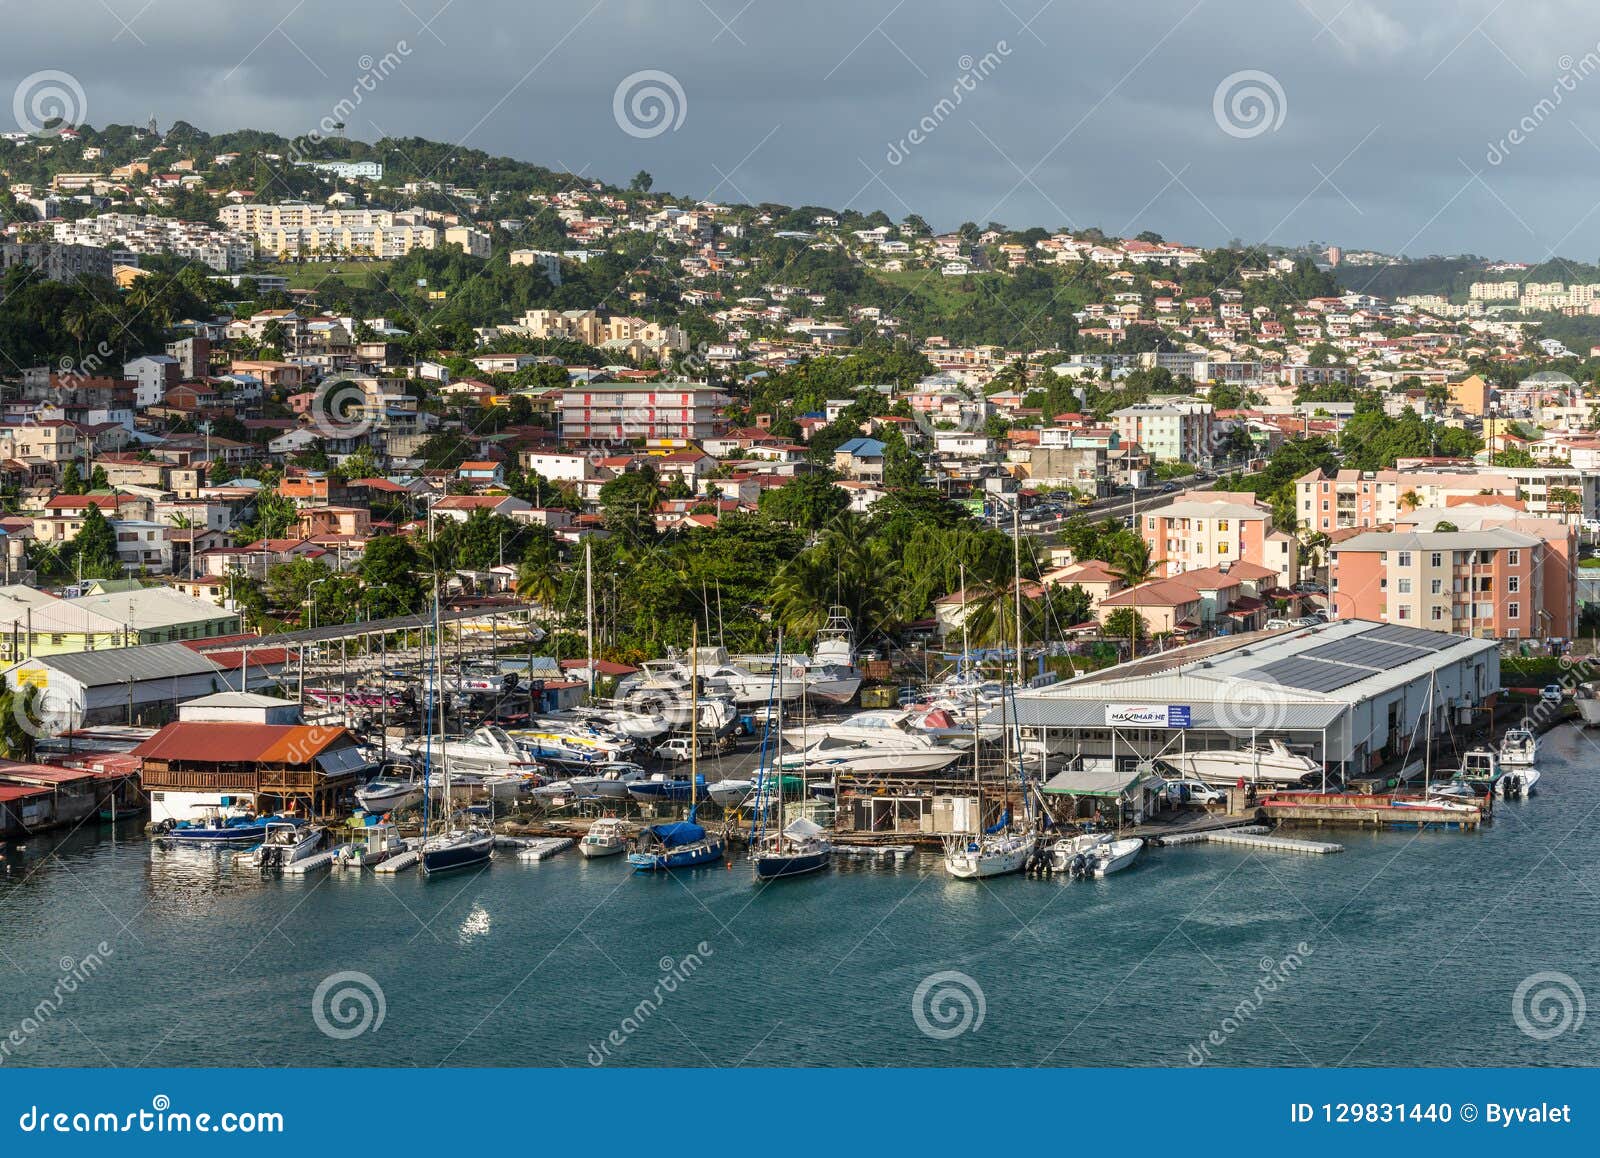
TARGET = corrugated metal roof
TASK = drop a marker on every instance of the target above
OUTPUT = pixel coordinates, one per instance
(244, 743)
(1035, 712)
(150, 661)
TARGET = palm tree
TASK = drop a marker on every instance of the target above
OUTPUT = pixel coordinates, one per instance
(1132, 567)
(1411, 500)
(536, 580)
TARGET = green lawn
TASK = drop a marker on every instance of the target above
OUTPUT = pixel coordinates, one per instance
(310, 275)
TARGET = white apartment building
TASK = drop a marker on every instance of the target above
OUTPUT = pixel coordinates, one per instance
(1168, 430)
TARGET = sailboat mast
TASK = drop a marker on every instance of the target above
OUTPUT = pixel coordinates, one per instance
(694, 712)
(588, 599)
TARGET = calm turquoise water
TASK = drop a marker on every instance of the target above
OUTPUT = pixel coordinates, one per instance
(1417, 945)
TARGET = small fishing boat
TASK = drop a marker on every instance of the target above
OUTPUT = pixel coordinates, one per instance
(370, 845)
(803, 847)
(1519, 747)
(1517, 784)
(1115, 856)
(679, 845)
(286, 843)
(607, 836)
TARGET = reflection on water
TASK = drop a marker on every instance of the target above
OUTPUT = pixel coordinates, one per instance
(532, 963)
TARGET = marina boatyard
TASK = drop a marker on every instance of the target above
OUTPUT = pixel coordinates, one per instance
(1198, 791)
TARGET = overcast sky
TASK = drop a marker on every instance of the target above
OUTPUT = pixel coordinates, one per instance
(1358, 122)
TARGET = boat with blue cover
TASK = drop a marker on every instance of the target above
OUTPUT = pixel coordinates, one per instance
(679, 845)
(219, 827)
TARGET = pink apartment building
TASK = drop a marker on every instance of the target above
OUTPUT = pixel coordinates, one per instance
(1217, 528)
(1491, 584)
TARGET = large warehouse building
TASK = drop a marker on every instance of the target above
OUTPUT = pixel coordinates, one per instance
(1348, 694)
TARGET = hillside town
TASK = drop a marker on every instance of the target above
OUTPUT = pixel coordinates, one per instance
(267, 416)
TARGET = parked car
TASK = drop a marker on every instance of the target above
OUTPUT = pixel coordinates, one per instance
(1278, 624)
(1591, 526)
(1196, 790)
(1305, 621)
(1551, 693)
(677, 749)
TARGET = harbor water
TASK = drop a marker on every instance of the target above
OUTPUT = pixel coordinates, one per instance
(1410, 948)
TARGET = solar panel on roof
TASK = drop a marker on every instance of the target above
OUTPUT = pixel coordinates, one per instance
(1362, 651)
(1411, 637)
(1308, 674)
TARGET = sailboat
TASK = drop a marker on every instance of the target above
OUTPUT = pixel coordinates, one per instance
(1001, 848)
(454, 848)
(684, 843)
(802, 847)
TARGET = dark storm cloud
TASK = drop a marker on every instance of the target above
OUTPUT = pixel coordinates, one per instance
(1415, 126)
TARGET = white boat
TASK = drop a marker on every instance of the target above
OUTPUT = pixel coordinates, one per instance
(486, 749)
(1070, 854)
(745, 687)
(372, 845)
(895, 727)
(1269, 763)
(287, 843)
(830, 755)
(1587, 698)
(731, 793)
(555, 743)
(1116, 856)
(989, 855)
(1519, 747)
(610, 781)
(632, 721)
(606, 837)
(400, 788)
(1517, 784)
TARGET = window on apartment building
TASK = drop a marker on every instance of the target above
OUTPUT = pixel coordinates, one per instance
(1405, 558)
(1222, 548)
(1402, 612)
(1324, 506)
(1435, 586)
(1404, 587)
(1436, 559)
(1436, 614)
(1514, 557)
(1383, 584)
(1513, 584)
(1513, 611)
(1222, 524)
(1485, 558)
